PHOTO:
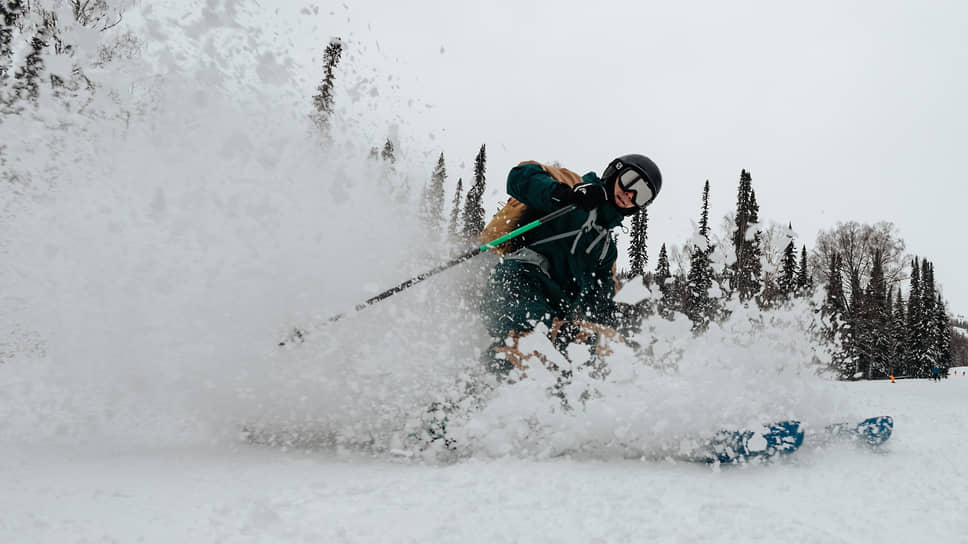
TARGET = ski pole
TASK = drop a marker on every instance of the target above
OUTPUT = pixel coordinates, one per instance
(298, 335)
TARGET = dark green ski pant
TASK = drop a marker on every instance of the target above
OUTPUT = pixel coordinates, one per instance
(519, 295)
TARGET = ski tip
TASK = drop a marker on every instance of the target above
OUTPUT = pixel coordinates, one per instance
(876, 430)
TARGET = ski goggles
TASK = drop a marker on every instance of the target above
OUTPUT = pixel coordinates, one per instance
(632, 182)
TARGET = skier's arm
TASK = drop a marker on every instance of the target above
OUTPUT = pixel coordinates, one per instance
(532, 185)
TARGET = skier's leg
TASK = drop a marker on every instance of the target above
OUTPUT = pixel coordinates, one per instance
(515, 302)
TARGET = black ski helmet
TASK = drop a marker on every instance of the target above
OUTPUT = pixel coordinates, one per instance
(641, 164)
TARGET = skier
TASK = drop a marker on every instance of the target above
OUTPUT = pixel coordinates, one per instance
(564, 276)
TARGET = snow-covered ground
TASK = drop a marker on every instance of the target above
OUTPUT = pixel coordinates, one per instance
(911, 491)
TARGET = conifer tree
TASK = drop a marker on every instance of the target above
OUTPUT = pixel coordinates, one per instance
(788, 270)
(10, 12)
(434, 200)
(677, 293)
(915, 317)
(901, 335)
(323, 100)
(890, 352)
(455, 209)
(746, 273)
(804, 280)
(662, 280)
(388, 153)
(473, 206)
(697, 303)
(943, 327)
(878, 315)
(930, 332)
(741, 220)
(704, 212)
(835, 302)
(855, 335)
(754, 252)
(834, 309)
(637, 246)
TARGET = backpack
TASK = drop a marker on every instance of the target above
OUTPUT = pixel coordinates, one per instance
(514, 213)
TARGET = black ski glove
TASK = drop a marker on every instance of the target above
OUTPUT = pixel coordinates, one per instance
(586, 196)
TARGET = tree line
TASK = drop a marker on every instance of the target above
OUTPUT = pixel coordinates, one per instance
(879, 331)
(467, 217)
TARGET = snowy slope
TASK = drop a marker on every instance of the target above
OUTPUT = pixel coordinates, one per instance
(908, 492)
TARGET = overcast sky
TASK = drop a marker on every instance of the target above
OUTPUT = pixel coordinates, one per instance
(841, 110)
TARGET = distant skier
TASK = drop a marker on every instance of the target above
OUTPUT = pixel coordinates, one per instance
(561, 274)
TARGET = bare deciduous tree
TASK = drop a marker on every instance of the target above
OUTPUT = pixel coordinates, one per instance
(857, 243)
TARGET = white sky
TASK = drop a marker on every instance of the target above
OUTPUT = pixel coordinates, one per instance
(841, 110)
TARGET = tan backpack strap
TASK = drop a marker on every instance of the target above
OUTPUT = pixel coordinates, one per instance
(503, 222)
(562, 175)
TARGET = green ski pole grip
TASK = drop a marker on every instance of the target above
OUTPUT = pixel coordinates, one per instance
(523, 229)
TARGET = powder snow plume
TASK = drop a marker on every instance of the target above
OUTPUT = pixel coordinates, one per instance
(165, 231)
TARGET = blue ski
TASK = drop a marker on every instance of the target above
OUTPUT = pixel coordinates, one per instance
(872, 431)
(741, 446)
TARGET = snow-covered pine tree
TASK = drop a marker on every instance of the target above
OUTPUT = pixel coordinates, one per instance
(663, 274)
(697, 303)
(323, 100)
(835, 303)
(474, 206)
(928, 328)
(835, 311)
(746, 275)
(932, 316)
(741, 221)
(878, 315)
(914, 319)
(788, 270)
(804, 279)
(891, 349)
(754, 252)
(454, 228)
(388, 154)
(944, 333)
(637, 245)
(11, 11)
(434, 198)
(856, 334)
(901, 336)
